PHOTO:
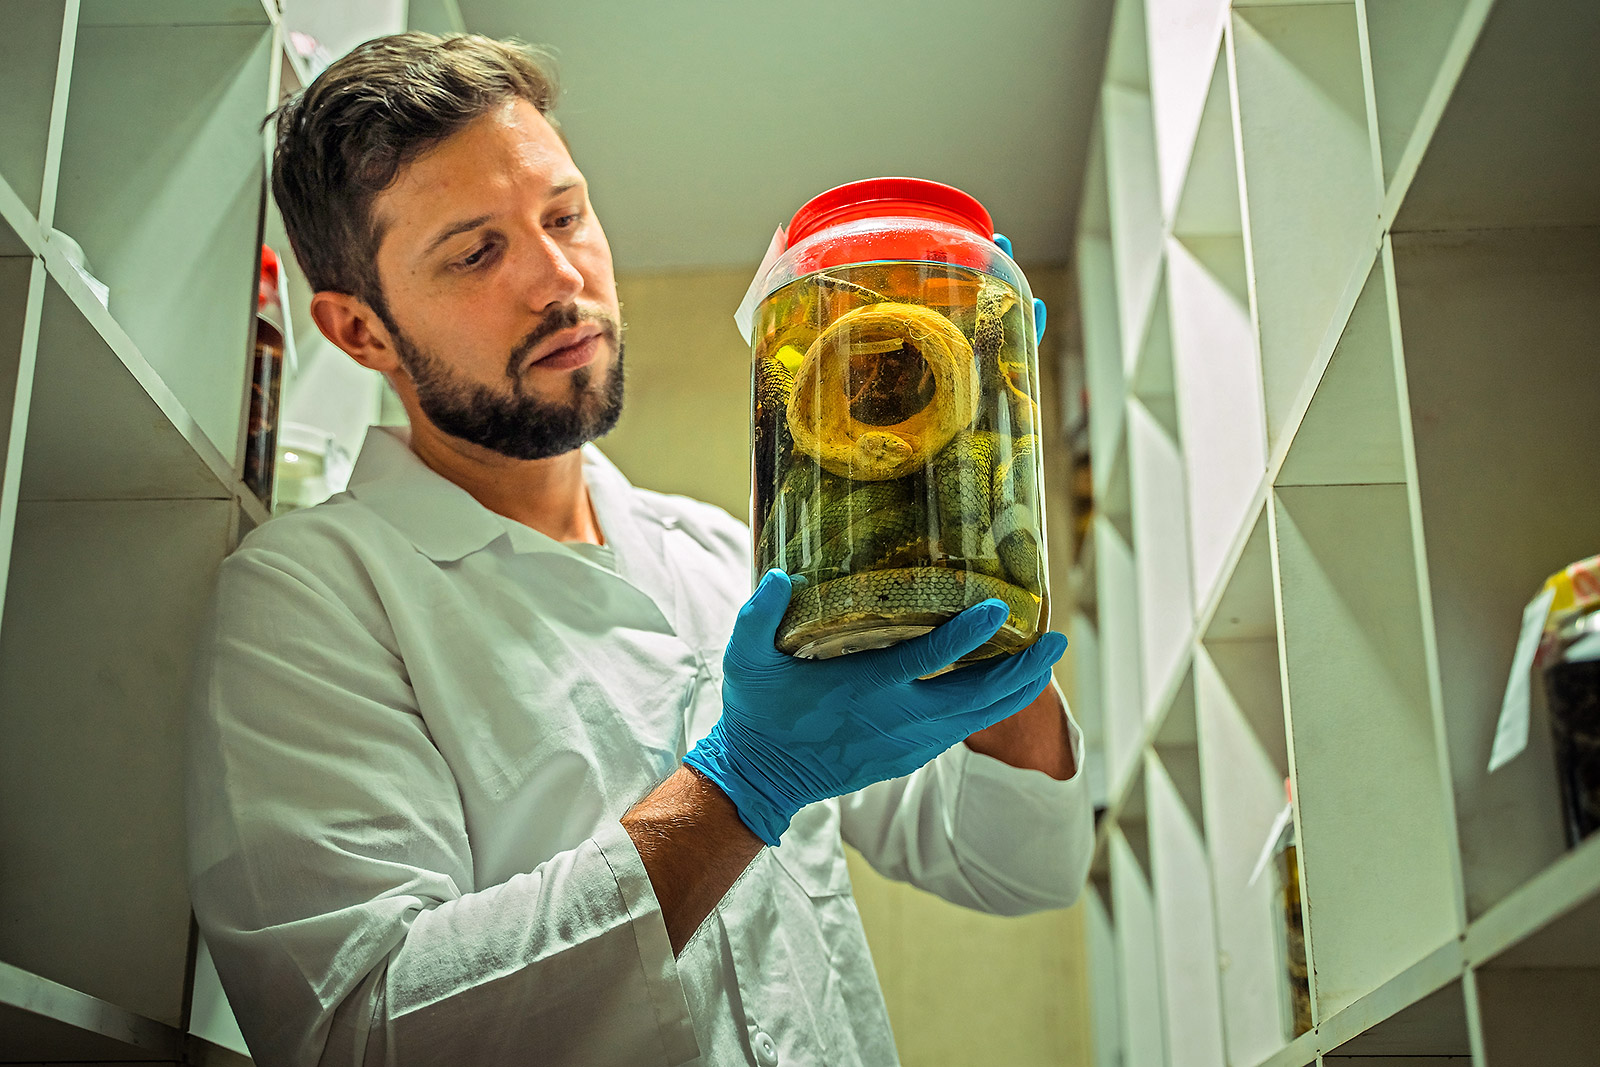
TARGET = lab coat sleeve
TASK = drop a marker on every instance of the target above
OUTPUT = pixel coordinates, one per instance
(978, 832)
(332, 875)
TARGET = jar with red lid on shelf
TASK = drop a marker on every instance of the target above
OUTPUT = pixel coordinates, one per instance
(895, 422)
(266, 383)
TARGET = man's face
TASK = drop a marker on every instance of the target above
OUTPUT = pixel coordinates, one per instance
(499, 286)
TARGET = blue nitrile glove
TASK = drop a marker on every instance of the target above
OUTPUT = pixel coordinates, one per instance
(1039, 310)
(797, 731)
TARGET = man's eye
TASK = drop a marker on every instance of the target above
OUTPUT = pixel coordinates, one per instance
(478, 257)
(562, 222)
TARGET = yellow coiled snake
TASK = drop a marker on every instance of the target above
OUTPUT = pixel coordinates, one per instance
(902, 503)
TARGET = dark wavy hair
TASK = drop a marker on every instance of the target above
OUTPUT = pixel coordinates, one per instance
(344, 139)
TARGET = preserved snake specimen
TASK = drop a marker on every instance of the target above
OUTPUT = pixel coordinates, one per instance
(903, 463)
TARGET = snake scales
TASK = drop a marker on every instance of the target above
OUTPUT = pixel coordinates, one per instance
(879, 558)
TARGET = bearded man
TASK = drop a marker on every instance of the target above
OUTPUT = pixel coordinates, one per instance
(493, 759)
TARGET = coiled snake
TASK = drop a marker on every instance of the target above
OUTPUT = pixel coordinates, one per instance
(907, 492)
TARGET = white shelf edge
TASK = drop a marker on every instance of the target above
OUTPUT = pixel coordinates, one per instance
(1207, 608)
(1331, 335)
(115, 14)
(1411, 986)
(1568, 883)
(1081, 580)
(1214, 39)
(28, 992)
(1333, 331)
(1292, 756)
(1431, 663)
(297, 64)
(250, 504)
(60, 93)
(1230, 57)
(1117, 801)
(1369, 94)
(1094, 155)
(1330, 341)
(1429, 974)
(117, 339)
(15, 214)
(1168, 693)
(1117, 792)
(1147, 319)
(15, 444)
(1457, 53)
(1300, 1052)
(1100, 854)
(1101, 473)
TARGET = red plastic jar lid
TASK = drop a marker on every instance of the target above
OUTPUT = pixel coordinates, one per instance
(889, 197)
(267, 290)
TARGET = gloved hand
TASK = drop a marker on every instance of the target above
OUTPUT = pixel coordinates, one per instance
(1039, 310)
(796, 731)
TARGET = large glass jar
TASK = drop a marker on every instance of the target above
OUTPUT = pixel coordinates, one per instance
(895, 422)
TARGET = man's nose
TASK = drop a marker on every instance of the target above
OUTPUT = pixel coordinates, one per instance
(552, 278)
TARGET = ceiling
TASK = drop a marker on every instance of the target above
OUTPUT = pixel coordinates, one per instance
(703, 124)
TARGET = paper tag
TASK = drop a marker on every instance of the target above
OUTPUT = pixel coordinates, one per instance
(745, 317)
(1282, 826)
(1511, 735)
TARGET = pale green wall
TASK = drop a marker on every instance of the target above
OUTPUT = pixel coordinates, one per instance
(686, 424)
(962, 987)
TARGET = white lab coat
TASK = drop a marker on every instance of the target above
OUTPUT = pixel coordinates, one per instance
(415, 728)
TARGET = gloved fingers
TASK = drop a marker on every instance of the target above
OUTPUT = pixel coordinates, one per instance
(963, 720)
(755, 631)
(1040, 313)
(995, 706)
(939, 647)
(1009, 704)
(982, 683)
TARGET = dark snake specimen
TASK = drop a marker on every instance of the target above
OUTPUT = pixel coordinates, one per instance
(864, 551)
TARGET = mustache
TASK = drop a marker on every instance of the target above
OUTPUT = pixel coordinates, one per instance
(562, 318)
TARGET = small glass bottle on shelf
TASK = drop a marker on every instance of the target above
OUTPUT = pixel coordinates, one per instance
(1569, 658)
(1294, 941)
(1292, 927)
(266, 382)
(1572, 683)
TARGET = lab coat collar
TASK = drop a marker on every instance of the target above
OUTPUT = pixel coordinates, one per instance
(446, 523)
(436, 515)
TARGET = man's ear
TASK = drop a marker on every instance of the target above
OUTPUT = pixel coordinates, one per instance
(351, 324)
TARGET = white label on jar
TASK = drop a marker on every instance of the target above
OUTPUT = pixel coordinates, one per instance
(1511, 735)
(745, 316)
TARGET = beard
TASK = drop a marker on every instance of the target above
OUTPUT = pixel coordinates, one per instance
(510, 419)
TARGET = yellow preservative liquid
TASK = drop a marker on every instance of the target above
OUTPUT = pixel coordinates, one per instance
(895, 420)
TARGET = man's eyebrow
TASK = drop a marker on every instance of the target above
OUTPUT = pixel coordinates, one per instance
(472, 224)
(453, 229)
